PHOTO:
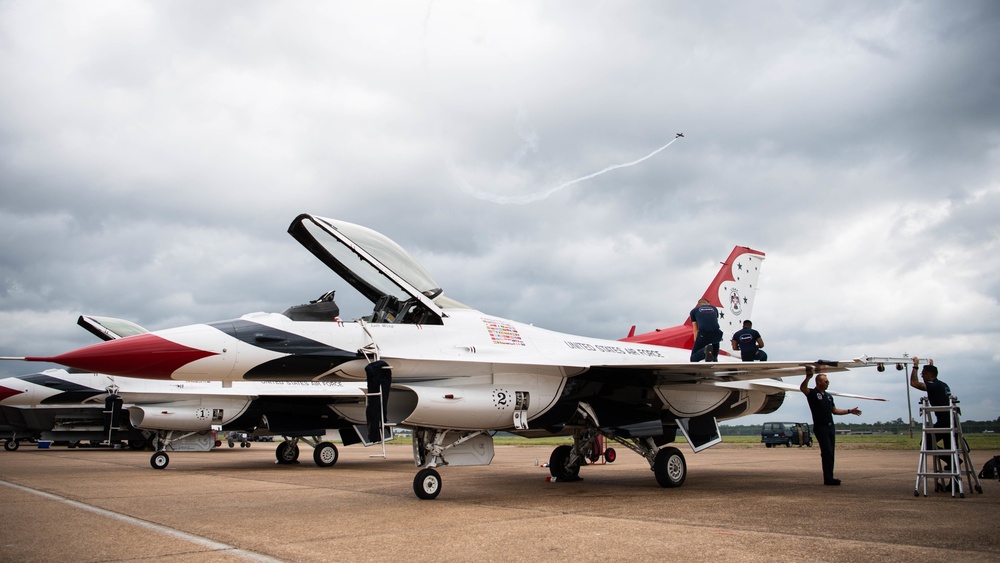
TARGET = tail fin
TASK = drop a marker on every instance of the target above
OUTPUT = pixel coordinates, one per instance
(732, 291)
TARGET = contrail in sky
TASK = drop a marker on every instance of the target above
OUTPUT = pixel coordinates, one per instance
(546, 193)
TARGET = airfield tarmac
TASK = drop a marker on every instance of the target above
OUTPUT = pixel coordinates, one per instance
(740, 502)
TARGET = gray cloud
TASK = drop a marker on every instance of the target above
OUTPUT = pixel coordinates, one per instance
(152, 156)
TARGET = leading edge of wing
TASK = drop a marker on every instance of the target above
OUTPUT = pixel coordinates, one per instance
(696, 372)
(774, 386)
(335, 391)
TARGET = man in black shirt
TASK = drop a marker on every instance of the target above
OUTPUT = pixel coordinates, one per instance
(749, 343)
(706, 332)
(938, 395)
(823, 409)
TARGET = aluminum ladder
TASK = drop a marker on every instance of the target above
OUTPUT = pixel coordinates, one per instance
(932, 465)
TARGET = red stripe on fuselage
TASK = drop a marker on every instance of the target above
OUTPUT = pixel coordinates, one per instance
(6, 393)
(144, 355)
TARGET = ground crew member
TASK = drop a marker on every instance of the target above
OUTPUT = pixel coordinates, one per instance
(749, 343)
(823, 409)
(706, 332)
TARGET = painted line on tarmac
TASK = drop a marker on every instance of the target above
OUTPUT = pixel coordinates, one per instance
(198, 540)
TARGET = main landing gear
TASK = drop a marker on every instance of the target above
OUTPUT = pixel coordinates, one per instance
(325, 454)
(667, 463)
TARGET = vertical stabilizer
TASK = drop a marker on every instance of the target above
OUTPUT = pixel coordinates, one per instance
(734, 288)
(732, 291)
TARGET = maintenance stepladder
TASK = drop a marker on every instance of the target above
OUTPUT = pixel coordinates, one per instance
(951, 461)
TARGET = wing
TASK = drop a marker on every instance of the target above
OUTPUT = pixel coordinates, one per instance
(333, 392)
(711, 372)
(774, 386)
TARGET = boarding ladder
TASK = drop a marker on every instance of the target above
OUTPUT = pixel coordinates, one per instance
(944, 465)
(386, 428)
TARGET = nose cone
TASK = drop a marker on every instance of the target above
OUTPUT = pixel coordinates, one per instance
(146, 356)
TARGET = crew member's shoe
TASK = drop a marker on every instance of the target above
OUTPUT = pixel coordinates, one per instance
(832, 482)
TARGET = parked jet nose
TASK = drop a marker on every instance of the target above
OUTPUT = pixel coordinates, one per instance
(155, 355)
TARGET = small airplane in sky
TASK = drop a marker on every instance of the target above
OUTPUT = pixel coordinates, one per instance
(679, 135)
(455, 375)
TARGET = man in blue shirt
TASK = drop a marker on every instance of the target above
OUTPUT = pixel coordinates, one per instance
(823, 409)
(706, 332)
(749, 343)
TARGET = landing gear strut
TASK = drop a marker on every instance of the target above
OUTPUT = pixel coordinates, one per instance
(431, 446)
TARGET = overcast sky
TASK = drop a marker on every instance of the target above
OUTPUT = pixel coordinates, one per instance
(152, 155)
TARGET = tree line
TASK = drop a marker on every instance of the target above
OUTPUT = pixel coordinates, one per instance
(897, 426)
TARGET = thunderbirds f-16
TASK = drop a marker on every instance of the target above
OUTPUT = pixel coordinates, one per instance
(174, 416)
(455, 375)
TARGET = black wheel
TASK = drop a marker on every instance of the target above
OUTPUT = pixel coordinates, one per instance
(159, 460)
(287, 452)
(427, 484)
(767, 445)
(231, 445)
(137, 444)
(11, 445)
(325, 454)
(669, 467)
(558, 467)
(610, 456)
(788, 444)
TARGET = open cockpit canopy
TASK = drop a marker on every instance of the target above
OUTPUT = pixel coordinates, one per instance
(400, 288)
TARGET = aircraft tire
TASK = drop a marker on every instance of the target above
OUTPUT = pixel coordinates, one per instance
(427, 484)
(669, 467)
(325, 454)
(160, 460)
(287, 452)
(558, 467)
(11, 445)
